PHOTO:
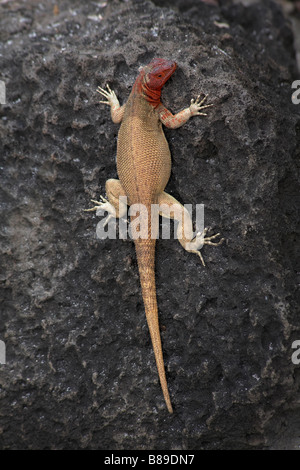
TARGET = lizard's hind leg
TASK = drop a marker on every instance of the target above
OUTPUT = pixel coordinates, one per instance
(169, 207)
(115, 206)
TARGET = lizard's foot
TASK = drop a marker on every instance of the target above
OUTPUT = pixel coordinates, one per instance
(109, 95)
(200, 240)
(98, 204)
(105, 205)
(197, 105)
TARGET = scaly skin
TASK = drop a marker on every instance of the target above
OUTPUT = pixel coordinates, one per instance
(144, 166)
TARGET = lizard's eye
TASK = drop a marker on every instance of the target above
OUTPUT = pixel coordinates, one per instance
(160, 75)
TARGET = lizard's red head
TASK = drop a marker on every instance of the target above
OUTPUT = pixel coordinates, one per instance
(153, 77)
(158, 72)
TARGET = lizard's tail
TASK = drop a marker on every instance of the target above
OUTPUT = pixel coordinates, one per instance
(145, 251)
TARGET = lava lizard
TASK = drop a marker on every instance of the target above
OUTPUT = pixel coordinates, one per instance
(144, 167)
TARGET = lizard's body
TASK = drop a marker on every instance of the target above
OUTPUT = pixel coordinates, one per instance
(144, 166)
(142, 174)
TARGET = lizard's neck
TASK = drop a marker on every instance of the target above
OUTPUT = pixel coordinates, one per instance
(140, 87)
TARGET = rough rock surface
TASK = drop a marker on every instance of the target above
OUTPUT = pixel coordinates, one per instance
(80, 372)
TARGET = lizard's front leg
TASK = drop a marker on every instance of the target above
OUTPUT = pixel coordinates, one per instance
(116, 110)
(174, 121)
